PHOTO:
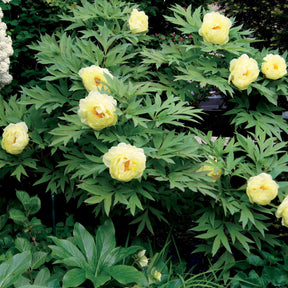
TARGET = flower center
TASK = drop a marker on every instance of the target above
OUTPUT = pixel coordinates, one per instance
(246, 73)
(14, 140)
(263, 187)
(98, 114)
(97, 81)
(275, 66)
(216, 27)
(126, 165)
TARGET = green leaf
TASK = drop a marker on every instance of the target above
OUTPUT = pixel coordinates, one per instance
(125, 274)
(255, 260)
(86, 243)
(22, 244)
(11, 270)
(105, 240)
(18, 172)
(38, 259)
(74, 278)
(42, 277)
(17, 215)
(3, 220)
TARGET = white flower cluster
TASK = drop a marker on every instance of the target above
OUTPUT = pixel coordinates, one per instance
(6, 1)
(6, 50)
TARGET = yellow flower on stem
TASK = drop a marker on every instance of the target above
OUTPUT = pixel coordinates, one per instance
(125, 162)
(215, 28)
(282, 211)
(211, 170)
(274, 67)
(157, 275)
(98, 110)
(261, 189)
(93, 77)
(138, 21)
(243, 71)
(15, 138)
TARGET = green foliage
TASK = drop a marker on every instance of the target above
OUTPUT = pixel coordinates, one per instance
(267, 19)
(95, 259)
(266, 269)
(11, 270)
(25, 26)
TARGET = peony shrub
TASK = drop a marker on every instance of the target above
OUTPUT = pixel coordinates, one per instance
(114, 125)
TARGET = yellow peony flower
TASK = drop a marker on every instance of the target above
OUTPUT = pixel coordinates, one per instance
(98, 110)
(212, 171)
(282, 212)
(125, 162)
(274, 67)
(215, 28)
(138, 21)
(92, 77)
(261, 189)
(244, 71)
(15, 138)
(142, 259)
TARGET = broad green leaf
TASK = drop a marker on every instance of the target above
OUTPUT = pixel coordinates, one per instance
(17, 215)
(86, 243)
(42, 277)
(38, 259)
(11, 270)
(125, 274)
(22, 244)
(74, 278)
(105, 240)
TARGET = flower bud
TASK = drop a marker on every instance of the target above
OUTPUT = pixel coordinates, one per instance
(138, 21)
(282, 211)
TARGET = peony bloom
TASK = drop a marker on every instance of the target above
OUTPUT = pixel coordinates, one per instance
(15, 138)
(98, 110)
(261, 189)
(142, 259)
(274, 67)
(282, 212)
(138, 21)
(92, 77)
(212, 171)
(244, 71)
(215, 28)
(125, 162)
